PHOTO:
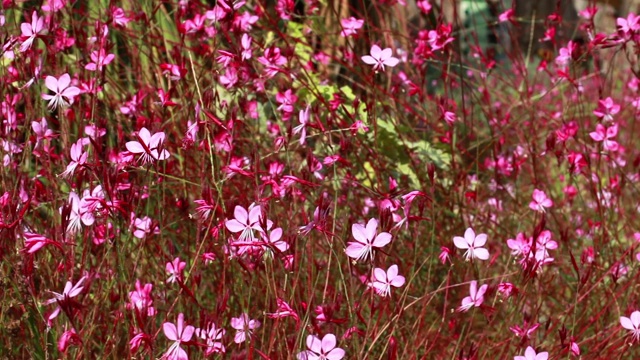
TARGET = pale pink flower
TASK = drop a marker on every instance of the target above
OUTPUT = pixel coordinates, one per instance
(244, 327)
(324, 349)
(530, 354)
(78, 158)
(178, 334)
(212, 335)
(540, 201)
(175, 269)
(472, 244)
(148, 146)
(350, 26)
(31, 30)
(64, 93)
(245, 42)
(632, 323)
(379, 58)
(475, 298)
(302, 128)
(366, 239)
(245, 222)
(34, 242)
(120, 18)
(383, 280)
(53, 5)
(274, 240)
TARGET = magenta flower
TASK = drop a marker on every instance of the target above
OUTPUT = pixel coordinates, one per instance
(324, 349)
(382, 281)
(350, 26)
(632, 323)
(530, 354)
(366, 239)
(148, 146)
(99, 59)
(606, 135)
(140, 299)
(472, 244)
(177, 334)
(540, 201)
(31, 30)
(64, 93)
(606, 109)
(379, 58)
(244, 327)
(475, 298)
(69, 292)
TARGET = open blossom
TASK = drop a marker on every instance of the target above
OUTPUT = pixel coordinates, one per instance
(606, 135)
(64, 93)
(530, 354)
(540, 201)
(632, 324)
(606, 109)
(212, 335)
(245, 222)
(148, 146)
(324, 349)
(175, 269)
(302, 128)
(244, 327)
(379, 58)
(178, 334)
(78, 158)
(350, 26)
(70, 291)
(99, 59)
(383, 280)
(31, 30)
(475, 298)
(472, 244)
(366, 239)
(140, 299)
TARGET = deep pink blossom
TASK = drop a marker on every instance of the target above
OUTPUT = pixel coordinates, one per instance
(540, 201)
(606, 135)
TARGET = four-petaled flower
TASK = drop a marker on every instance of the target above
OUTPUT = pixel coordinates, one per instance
(632, 323)
(473, 244)
(244, 327)
(366, 240)
(31, 30)
(540, 201)
(606, 135)
(383, 280)
(69, 292)
(350, 26)
(475, 298)
(530, 354)
(177, 334)
(379, 58)
(148, 146)
(324, 349)
(64, 94)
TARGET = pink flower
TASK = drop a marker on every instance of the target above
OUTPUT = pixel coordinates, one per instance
(175, 269)
(140, 299)
(540, 201)
(148, 146)
(120, 18)
(632, 324)
(473, 244)
(350, 26)
(382, 281)
(178, 335)
(78, 158)
(606, 109)
(245, 222)
(64, 94)
(530, 354)
(244, 327)
(366, 239)
(275, 240)
(212, 335)
(31, 30)
(34, 242)
(379, 58)
(68, 338)
(506, 16)
(69, 292)
(475, 298)
(302, 128)
(525, 331)
(324, 349)
(245, 42)
(606, 135)
(98, 60)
